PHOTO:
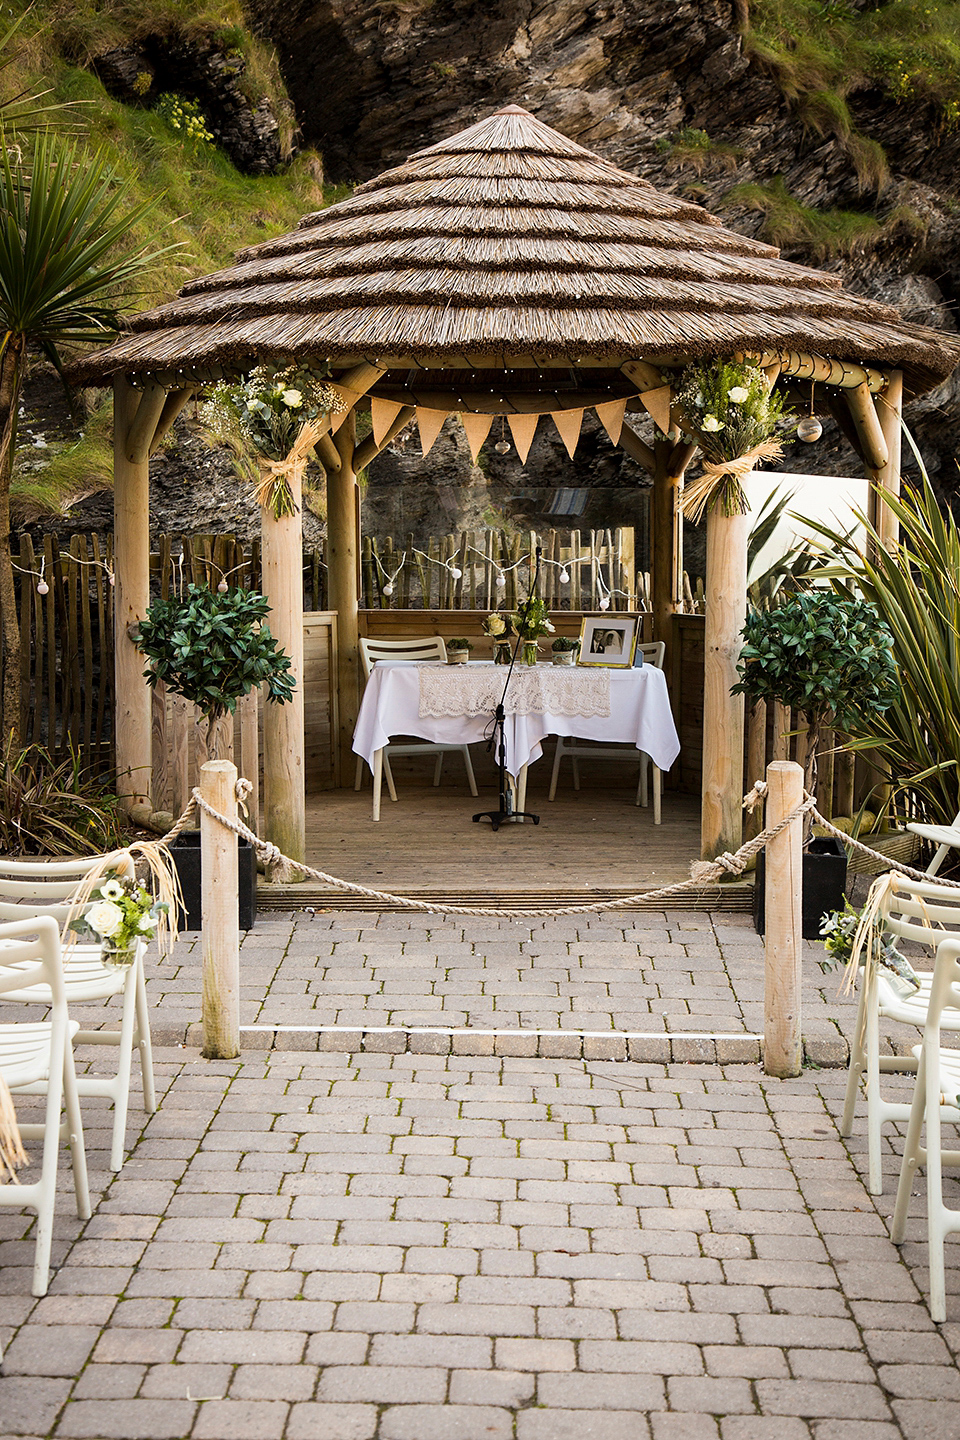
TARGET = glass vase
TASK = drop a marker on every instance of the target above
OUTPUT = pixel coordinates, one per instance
(529, 652)
(117, 956)
(502, 651)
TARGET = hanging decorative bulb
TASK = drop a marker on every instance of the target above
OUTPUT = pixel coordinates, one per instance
(809, 428)
(604, 602)
(223, 587)
(502, 446)
(501, 581)
(564, 575)
(43, 588)
(456, 572)
(388, 588)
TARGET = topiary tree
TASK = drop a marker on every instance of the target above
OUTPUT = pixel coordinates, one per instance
(213, 648)
(829, 657)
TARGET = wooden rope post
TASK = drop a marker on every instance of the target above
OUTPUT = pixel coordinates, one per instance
(220, 913)
(782, 1044)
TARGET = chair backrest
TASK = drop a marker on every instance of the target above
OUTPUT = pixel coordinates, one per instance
(653, 652)
(47, 886)
(412, 647)
(30, 955)
(922, 910)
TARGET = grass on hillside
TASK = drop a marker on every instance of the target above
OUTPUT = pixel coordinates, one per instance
(820, 51)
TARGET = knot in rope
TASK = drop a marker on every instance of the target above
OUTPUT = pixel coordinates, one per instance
(753, 797)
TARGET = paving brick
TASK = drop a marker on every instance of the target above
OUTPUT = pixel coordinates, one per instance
(332, 1422)
(127, 1419)
(382, 1384)
(555, 1424)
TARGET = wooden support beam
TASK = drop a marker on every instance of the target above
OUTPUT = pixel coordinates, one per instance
(141, 431)
(343, 550)
(131, 526)
(842, 373)
(890, 407)
(867, 425)
(368, 449)
(666, 540)
(219, 912)
(281, 558)
(637, 449)
(327, 454)
(782, 1047)
(721, 825)
(175, 402)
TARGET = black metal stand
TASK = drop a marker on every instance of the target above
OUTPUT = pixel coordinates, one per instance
(498, 736)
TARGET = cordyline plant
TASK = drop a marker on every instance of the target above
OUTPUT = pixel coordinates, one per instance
(63, 280)
(213, 649)
(915, 587)
(826, 656)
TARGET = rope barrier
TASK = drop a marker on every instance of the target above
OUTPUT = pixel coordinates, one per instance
(702, 872)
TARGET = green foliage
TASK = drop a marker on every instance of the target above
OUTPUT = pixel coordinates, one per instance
(790, 571)
(696, 150)
(120, 912)
(51, 479)
(267, 410)
(213, 648)
(186, 117)
(822, 233)
(826, 655)
(54, 808)
(564, 644)
(460, 643)
(916, 589)
(532, 619)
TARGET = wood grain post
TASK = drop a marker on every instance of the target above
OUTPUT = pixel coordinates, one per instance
(782, 1044)
(220, 913)
(721, 824)
(343, 543)
(887, 479)
(756, 760)
(284, 803)
(131, 527)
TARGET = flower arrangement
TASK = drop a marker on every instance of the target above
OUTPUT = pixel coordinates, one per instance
(121, 912)
(732, 413)
(532, 620)
(838, 931)
(277, 415)
(497, 626)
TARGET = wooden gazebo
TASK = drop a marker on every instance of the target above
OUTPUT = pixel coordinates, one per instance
(505, 271)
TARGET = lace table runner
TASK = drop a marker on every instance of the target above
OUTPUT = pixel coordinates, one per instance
(447, 691)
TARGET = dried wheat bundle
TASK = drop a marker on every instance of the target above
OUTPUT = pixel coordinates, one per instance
(157, 873)
(12, 1153)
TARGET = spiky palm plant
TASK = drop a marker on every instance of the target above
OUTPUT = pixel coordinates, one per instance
(63, 279)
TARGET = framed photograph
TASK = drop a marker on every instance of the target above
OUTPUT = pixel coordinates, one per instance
(609, 639)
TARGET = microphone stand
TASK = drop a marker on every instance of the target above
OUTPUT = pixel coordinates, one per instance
(498, 736)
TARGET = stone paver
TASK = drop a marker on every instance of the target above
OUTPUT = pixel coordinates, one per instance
(484, 1241)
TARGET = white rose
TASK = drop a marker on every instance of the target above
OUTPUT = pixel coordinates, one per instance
(111, 890)
(293, 398)
(105, 918)
(711, 424)
(495, 625)
(550, 628)
(738, 394)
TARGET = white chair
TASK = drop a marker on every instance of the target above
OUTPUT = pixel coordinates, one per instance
(945, 837)
(45, 887)
(37, 1058)
(423, 647)
(908, 912)
(653, 654)
(936, 1097)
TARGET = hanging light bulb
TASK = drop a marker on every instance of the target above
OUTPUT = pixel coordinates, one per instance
(223, 587)
(456, 572)
(809, 428)
(502, 446)
(501, 581)
(43, 588)
(604, 602)
(388, 588)
(564, 575)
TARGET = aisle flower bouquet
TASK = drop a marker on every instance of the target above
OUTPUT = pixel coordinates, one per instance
(120, 913)
(732, 413)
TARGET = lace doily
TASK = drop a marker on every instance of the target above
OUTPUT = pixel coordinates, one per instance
(448, 691)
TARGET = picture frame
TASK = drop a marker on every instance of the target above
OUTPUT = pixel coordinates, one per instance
(609, 640)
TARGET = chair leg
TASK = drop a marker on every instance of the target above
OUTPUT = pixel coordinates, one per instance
(377, 782)
(74, 1135)
(558, 756)
(42, 1194)
(657, 793)
(358, 777)
(874, 1120)
(576, 773)
(939, 856)
(388, 776)
(121, 1085)
(144, 1043)
(912, 1153)
(643, 795)
(438, 768)
(857, 1064)
(936, 1211)
(471, 778)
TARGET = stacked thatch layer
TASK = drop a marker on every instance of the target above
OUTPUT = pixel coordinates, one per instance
(509, 245)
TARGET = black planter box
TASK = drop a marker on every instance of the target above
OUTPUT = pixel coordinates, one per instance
(824, 879)
(185, 850)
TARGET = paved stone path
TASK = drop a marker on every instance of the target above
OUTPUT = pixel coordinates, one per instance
(323, 1245)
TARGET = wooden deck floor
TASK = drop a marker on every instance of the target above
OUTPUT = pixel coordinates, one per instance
(593, 843)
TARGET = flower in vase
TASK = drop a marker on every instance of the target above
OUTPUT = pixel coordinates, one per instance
(738, 394)
(105, 918)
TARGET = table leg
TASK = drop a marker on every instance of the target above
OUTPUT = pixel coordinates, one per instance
(377, 782)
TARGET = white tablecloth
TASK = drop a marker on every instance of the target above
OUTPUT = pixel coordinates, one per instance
(639, 715)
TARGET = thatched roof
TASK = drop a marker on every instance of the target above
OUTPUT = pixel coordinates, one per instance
(510, 245)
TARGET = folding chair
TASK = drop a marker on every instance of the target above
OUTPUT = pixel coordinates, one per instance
(37, 1058)
(423, 647)
(653, 654)
(936, 1097)
(916, 910)
(945, 837)
(44, 887)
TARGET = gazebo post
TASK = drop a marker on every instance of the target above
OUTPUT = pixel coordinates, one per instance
(131, 525)
(284, 798)
(721, 824)
(343, 559)
(890, 406)
(666, 523)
